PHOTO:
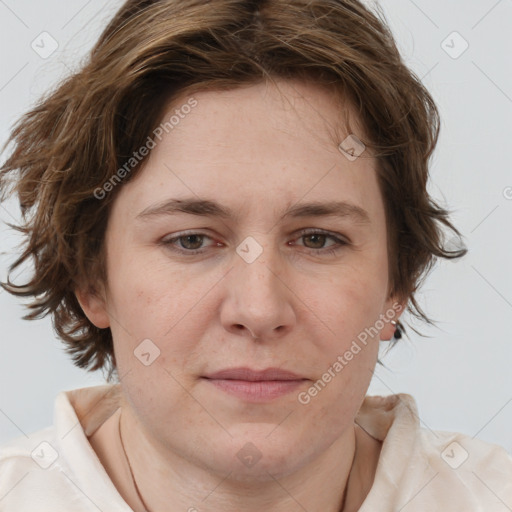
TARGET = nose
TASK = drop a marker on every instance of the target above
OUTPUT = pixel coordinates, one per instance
(258, 302)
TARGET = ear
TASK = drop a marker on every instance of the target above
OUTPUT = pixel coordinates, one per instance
(94, 307)
(393, 308)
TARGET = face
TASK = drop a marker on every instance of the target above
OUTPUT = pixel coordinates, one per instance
(268, 284)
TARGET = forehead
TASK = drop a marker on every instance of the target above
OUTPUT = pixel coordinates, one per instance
(264, 143)
(296, 108)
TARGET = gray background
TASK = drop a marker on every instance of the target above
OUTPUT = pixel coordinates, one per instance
(460, 375)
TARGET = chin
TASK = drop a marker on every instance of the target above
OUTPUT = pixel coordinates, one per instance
(257, 458)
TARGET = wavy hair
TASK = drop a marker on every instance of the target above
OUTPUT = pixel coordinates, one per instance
(80, 134)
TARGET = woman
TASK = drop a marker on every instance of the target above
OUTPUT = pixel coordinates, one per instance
(227, 210)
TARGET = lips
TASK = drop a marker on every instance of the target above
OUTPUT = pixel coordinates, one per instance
(255, 386)
(247, 374)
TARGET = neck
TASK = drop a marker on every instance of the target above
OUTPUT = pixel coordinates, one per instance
(174, 483)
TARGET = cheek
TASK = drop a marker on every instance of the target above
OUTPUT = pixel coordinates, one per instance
(351, 300)
(159, 303)
(347, 352)
(146, 290)
(155, 395)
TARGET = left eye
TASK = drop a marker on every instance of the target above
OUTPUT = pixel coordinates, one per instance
(318, 239)
(192, 243)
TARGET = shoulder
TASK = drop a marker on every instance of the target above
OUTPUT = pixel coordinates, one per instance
(27, 451)
(56, 469)
(466, 472)
(422, 469)
(31, 475)
(480, 468)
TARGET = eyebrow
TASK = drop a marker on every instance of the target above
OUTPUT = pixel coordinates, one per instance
(207, 208)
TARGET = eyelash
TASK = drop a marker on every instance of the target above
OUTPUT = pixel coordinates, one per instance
(169, 243)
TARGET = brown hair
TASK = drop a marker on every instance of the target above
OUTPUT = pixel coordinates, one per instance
(78, 137)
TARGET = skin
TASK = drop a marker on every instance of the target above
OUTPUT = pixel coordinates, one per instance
(257, 150)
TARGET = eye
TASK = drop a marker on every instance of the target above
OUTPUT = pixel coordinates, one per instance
(315, 240)
(187, 243)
